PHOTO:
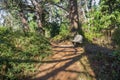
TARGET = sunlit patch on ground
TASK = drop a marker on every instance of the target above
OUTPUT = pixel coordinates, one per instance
(67, 63)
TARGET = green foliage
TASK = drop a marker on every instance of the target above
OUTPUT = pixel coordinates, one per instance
(32, 23)
(12, 21)
(105, 17)
(100, 21)
(52, 29)
(19, 53)
(117, 54)
(54, 1)
(90, 33)
(116, 37)
(55, 29)
(33, 26)
(116, 62)
(63, 33)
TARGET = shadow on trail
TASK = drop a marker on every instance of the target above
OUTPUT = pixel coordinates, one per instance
(101, 64)
(62, 68)
(51, 75)
(104, 65)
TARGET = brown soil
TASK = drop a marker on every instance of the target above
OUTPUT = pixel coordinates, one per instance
(67, 63)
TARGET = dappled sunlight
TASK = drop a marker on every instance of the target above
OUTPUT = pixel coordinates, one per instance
(76, 63)
(67, 63)
(60, 40)
(102, 63)
(87, 72)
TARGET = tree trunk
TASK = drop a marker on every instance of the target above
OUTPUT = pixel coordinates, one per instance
(38, 10)
(74, 18)
(24, 22)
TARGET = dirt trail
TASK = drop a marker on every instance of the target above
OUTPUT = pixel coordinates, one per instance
(67, 63)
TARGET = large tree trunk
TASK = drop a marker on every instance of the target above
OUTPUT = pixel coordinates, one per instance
(74, 18)
(38, 10)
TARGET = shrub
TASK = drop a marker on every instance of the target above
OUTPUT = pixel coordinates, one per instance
(19, 53)
(63, 33)
(116, 37)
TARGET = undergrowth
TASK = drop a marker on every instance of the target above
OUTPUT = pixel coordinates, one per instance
(63, 33)
(19, 53)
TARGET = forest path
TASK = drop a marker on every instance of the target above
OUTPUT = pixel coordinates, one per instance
(67, 63)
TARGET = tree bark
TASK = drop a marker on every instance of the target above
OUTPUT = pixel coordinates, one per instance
(74, 18)
(24, 22)
(38, 10)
